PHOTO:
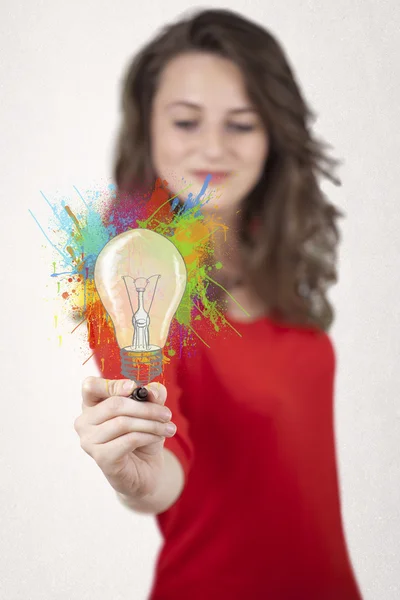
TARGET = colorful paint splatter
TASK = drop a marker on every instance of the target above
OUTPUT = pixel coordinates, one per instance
(81, 235)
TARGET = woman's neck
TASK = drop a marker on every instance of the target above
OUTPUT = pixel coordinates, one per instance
(243, 305)
(226, 247)
(231, 276)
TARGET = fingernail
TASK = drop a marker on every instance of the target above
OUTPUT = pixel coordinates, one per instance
(128, 386)
(170, 428)
(167, 413)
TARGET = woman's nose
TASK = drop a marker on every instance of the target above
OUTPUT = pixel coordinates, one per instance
(213, 144)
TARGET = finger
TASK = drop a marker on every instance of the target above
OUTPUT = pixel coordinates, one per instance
(122, 425)
(97, 389)
(106, 455)
(158, 393)
(119, 406)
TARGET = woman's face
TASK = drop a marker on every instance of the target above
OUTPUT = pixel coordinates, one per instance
(203, 123)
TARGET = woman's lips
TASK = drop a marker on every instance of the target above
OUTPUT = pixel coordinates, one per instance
(216, 176)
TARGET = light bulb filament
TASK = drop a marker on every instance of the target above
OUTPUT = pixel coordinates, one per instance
(141, 322)
(141, 317)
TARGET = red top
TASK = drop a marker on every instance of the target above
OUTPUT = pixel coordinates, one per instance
(260, 514)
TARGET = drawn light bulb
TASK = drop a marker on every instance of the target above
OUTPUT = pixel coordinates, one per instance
(140, 277)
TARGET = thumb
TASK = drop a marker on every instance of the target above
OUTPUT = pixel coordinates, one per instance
(157, 392)
(96, 389)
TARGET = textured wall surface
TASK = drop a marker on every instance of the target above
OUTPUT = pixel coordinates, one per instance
(65, 536)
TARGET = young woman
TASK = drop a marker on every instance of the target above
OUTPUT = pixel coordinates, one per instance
(244, 479)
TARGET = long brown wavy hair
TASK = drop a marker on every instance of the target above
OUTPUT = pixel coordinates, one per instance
(290, 260)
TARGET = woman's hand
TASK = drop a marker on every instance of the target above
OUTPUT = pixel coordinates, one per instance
(124, 437)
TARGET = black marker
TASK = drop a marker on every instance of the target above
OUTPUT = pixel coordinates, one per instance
(139, 394)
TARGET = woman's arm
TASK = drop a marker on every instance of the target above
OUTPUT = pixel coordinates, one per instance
(171, 484)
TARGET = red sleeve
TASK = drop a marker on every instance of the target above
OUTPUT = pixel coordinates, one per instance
(321, 476)
(180, 444)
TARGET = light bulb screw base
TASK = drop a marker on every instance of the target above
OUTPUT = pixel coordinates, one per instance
(141, 366)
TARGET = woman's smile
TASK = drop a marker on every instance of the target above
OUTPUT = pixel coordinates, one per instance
(217, 177)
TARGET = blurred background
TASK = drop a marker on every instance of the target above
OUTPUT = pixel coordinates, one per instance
(65, 536)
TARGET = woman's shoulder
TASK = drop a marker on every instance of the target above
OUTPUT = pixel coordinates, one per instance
(316, 349)
(304, 346)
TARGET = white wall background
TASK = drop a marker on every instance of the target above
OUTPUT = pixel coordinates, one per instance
(64, 535)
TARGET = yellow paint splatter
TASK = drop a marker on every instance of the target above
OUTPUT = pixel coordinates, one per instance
(75, 220)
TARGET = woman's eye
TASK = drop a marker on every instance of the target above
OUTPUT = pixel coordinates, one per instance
(241, 127)
(238, 127)
(185, 124)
